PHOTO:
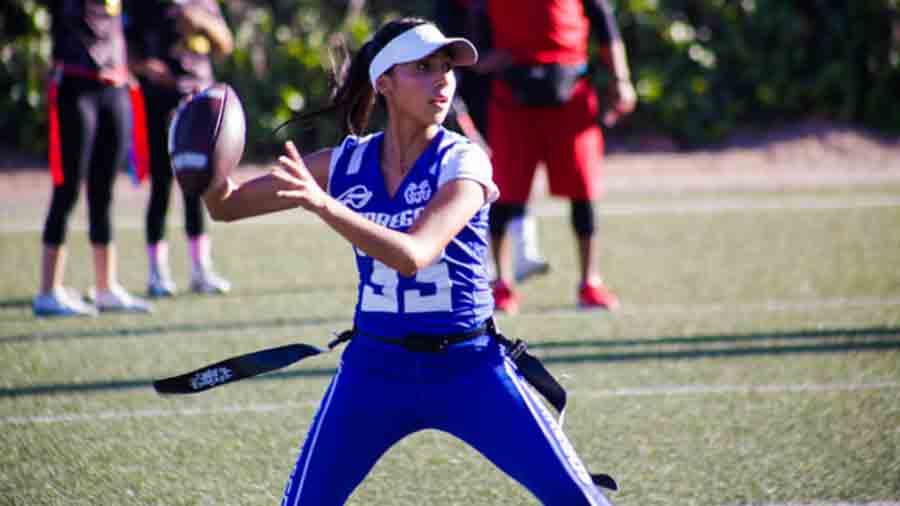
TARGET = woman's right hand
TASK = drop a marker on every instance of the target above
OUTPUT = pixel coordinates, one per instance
(303, 188)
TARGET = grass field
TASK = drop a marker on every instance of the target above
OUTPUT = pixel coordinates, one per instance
(756, 361)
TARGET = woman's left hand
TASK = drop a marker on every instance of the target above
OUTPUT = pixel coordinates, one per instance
(304, 190)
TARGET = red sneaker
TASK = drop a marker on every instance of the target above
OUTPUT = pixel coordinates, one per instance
(505, 299)
(597, 296)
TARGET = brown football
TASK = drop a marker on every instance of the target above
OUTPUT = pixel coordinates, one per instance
(206, 138)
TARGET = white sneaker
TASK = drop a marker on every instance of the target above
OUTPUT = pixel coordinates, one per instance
(61, 302)
(160, 286)
(206, 281)
(528, 267)
(119, 300)
(527, 258)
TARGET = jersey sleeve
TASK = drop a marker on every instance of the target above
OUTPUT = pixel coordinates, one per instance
(468, 161)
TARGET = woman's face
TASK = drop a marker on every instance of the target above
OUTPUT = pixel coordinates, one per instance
(422, 90)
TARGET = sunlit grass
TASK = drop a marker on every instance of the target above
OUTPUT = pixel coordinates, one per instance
(756, 359)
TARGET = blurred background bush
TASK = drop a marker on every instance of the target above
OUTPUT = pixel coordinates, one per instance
(703, 68)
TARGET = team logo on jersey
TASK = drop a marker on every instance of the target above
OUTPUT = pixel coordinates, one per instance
(356, 197)
(417, 193)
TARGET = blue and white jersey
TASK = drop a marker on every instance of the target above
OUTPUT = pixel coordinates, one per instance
(453, 293)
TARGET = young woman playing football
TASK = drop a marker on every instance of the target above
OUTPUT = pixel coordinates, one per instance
(413, 201)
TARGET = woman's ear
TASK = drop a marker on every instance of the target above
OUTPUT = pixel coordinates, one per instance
(382, 85)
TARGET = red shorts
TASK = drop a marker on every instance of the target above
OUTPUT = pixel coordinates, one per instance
(566, 138)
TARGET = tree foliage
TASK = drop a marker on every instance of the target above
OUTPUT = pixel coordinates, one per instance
(706, 66)
(701, 67)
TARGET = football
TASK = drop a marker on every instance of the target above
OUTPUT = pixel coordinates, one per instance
(206, 138)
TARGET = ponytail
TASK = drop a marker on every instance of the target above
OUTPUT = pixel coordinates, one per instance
(354, 98)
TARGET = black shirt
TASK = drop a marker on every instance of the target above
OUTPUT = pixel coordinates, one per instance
(88, 33)
(152, 30)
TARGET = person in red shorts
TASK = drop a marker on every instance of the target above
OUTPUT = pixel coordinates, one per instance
(466, 18)
(544, 108)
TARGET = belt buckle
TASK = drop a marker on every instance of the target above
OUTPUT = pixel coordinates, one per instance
(425, 344)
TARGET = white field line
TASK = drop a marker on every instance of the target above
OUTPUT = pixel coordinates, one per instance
(771, 306)
(696, 390)
(131, 219)
(554, 208)
(151, 413)
(666, 390)
(819, 503)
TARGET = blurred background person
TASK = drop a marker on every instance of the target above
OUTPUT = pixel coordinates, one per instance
(90, 115)
(543, 108)
(465, 18)
(171, 43)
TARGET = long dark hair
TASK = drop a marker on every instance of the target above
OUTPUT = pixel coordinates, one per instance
(354, 97)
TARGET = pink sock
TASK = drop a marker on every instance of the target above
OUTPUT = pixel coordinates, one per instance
(199, 246)
(158, 254)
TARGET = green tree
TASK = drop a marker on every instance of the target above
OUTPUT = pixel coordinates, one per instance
(702, 67)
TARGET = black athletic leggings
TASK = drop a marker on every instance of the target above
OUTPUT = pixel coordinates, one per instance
(159, 105)
(94, 130)
(581, 214)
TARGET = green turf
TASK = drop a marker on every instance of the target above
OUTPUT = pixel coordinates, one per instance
(756, 360)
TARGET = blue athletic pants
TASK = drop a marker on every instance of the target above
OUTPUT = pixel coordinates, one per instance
(382, 393)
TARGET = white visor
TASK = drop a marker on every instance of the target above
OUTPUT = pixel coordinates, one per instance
(417, 43)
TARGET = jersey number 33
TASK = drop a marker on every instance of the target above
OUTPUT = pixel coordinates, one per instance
(430, 291)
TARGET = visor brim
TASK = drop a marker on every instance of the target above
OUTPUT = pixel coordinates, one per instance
(418, 43)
